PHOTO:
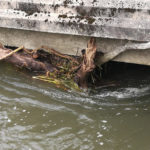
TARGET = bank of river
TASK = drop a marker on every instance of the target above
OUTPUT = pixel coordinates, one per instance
(36, 116)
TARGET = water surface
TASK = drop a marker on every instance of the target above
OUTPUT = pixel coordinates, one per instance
(37, 116)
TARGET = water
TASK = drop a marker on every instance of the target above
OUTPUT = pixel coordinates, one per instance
(37, 116)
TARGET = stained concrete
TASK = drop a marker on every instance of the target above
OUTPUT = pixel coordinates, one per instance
(66, 25)
(69, 44)
(121, 19)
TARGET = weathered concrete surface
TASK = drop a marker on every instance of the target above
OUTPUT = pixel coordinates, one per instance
(119, 19)
(66, 25)
(70, 44)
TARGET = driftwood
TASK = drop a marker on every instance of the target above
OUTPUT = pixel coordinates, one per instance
(58, 67)
(25, 61)
(88, 64)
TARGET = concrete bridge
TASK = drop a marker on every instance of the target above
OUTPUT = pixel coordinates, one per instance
(66, 25)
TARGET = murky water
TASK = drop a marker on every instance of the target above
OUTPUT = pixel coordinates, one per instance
(37, 116)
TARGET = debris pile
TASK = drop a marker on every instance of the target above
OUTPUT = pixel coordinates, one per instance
(67, 72)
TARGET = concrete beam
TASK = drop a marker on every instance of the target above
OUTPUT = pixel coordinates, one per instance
(66, 25)
(70, 44)
(121, 19)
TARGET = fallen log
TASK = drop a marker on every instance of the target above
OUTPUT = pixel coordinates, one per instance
(25, 61)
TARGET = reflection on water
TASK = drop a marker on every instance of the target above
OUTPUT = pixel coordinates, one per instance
(37, 116)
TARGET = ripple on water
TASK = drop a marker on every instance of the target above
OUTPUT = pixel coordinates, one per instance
(35, 115)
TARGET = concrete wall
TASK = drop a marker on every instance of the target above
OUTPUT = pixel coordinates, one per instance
(66, 25)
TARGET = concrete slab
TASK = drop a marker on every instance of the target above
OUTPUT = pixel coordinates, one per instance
(121, 19)
(66, 25)
(70, 44)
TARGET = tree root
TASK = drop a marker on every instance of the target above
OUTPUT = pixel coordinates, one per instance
(88, 64)
(52, 51)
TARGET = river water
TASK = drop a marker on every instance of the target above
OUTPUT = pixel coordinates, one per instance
(37, 116)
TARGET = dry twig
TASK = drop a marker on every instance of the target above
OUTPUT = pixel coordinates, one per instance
(11, 53)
